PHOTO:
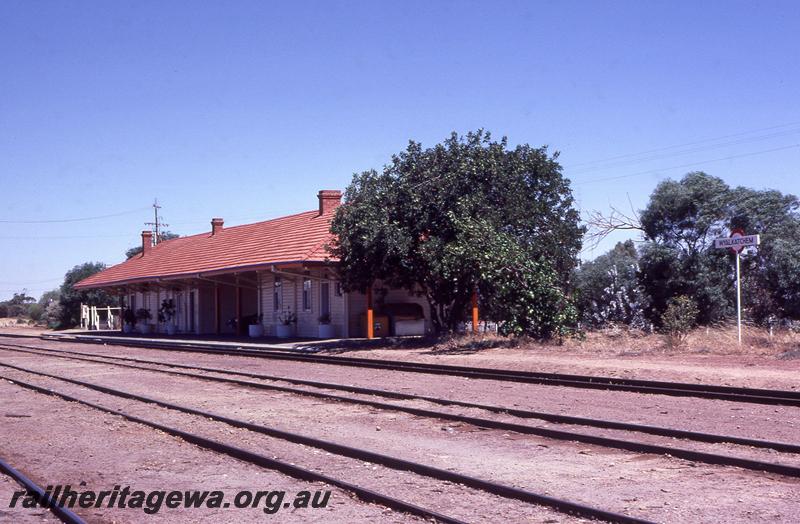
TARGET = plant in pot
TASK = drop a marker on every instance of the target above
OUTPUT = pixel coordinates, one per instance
(166, 313)
(285, 319)
(128, 320)
(254, 327)
(142, 316)
(325, 327)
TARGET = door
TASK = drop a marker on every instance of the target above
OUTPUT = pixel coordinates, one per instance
(191, 312)
(325, 299)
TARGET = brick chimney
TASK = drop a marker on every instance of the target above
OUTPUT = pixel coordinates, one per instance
(216, 225)
(329, 200)
(147, 242)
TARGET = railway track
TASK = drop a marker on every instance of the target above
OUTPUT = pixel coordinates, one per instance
(296, 471)
(521, 413)
(565, 435)
(735, 394)
(63, 514)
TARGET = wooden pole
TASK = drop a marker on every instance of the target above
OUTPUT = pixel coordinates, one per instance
(370, 322)
(216, 309)
(474, 312)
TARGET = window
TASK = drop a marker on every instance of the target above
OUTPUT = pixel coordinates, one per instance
(324, 298)
(306, 294)
(277, 296)
(338, 289)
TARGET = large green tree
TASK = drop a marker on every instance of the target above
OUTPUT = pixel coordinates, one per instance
(17, 306)
(70, 298)
(680, 223)
(469, 213)
(771, 275)
(678, 258)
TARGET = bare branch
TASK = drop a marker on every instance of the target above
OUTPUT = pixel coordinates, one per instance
(600, 225)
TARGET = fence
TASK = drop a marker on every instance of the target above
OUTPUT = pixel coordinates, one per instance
(95, 318)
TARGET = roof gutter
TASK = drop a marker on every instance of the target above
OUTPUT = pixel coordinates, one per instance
(202, 274)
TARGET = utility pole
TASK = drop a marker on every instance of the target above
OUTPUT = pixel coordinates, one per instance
(158, 222)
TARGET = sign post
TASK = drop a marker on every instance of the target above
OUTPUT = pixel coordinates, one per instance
(736, 243)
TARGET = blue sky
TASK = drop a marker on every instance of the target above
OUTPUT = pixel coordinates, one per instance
(245, 109)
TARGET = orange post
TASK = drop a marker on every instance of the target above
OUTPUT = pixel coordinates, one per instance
(474, 312)
(370, 322)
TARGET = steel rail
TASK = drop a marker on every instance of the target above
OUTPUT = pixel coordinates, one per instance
(45, 500)
(549, 417)
(291, 470)
(681, 389)
(608, 442)
(502, 490)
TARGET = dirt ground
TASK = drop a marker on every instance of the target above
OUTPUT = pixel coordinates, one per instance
(709, 356)
(8, 487)
(65, 443)
(649, 486)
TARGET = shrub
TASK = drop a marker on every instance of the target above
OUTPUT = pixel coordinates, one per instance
(608, 289)
(35, 312)
(53, 314)
(678, 319)
(129, 316)
(143, 314)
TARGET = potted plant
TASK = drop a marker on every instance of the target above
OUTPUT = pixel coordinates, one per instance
(142, 316)
(254, 327)
(128, 320)
(326, 329)
(166, 313)
(285, 319)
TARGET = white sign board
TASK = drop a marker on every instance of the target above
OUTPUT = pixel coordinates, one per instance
(737, 241)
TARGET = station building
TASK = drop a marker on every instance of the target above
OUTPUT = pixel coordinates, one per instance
(268, 272)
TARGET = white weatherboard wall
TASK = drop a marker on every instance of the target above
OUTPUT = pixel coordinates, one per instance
(292, 299)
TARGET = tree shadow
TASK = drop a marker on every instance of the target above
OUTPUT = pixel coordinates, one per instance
(335, 347)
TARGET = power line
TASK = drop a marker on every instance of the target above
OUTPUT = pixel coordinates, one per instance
(682, 152)
(62, 237)
(685, 144)
(675, 153)
(7, 283)
(691, 164)
(62, 220)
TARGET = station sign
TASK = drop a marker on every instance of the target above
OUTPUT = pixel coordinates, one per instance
(737, 241)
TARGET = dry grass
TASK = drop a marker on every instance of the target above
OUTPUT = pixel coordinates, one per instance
(614, 341)
(13, 322)
(720, 340)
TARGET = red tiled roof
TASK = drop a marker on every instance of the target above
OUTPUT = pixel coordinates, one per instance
(294, 238)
